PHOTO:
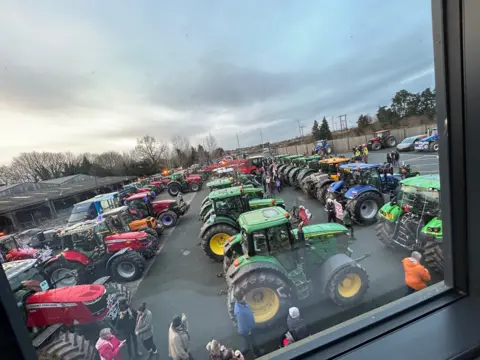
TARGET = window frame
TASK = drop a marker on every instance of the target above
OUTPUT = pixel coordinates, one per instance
(406, 325)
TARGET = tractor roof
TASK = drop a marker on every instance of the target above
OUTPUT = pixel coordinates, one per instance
(423, 181)
(335, 160)
(13, 268)
(115, 211)
(216, 182)
(281, 156)
(359, 166)
(293, 156)
(80, 227)
(226, 193)
(137, 196)
(321, 229)
(381, 131)
(263, 218)
(313, 157)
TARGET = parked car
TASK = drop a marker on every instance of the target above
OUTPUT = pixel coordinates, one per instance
(408, 144)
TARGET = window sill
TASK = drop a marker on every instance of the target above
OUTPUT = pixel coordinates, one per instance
(436, 324)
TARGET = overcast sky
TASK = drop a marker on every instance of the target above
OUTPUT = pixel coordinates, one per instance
(95, 75)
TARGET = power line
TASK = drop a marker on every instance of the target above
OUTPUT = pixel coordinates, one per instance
(238, 141)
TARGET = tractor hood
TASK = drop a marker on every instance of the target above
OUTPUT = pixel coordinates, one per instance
(161, 205)
(320, 229)
(254, 203)
(126, 235)
(193, 178)
(336, 186)
(64, 296)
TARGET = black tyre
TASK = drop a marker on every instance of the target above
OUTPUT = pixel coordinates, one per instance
(365, 207)
(433, 255)
(260, 289)
(127, 267)
(348, 285)
(204, 201)
(392, 142)
(434, 146)
(376, 146)
(385, 232)
(151, 232)
(168, 218)
(72, 273)
(174, 189)
(214, 239)
(322, 192)
(205, 210)
(68, 346)
(194, 186)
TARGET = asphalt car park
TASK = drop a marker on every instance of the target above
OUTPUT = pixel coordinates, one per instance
(181, 279)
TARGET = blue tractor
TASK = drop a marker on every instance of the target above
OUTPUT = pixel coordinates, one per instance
(363, 189)
(322, 147)
(429, 143)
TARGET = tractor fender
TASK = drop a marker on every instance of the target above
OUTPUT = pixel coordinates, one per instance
(101, 281)
(218, 220)
(115, 255)
(336, 186)
(331, 266)
(236, 273)
(174, 182)
(71, 255)
(356, 190)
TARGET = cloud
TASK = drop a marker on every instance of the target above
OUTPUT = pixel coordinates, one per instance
(87, 77)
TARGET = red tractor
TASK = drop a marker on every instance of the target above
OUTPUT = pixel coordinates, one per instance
(382, 139)
(253, 165)
(166, 211)
(183, 183)
(12, 249)
(63, 322)
(91, 251)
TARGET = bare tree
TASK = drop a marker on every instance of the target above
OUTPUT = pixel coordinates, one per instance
(181, 150)
(4, 175)
(148, 149)
(210, 143)
(111, 161)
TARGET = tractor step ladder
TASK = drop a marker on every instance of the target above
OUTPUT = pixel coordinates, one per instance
(299, 279)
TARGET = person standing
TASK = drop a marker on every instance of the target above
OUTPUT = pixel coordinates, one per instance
(416, 275)
(179, 339)
(347, 220)
(279, 184)
(245, 322)
(125, 323)
(296, 325)
(365, 154)
(144, 329)
(331, 211)
(108, 345)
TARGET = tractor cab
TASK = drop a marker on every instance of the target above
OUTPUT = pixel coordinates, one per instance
(86, 238)
(252, 165)
(11, 250)
(140, 206)
(121, 219)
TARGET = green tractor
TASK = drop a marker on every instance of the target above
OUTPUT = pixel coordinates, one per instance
(221, 223)
(412, 220)
(275, 269)
(221, 183)
(299, 173)
(287, 163)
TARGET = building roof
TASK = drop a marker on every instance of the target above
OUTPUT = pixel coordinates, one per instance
(37, 197)
(62, 180)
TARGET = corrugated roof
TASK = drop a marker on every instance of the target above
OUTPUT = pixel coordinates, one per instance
(62, 180)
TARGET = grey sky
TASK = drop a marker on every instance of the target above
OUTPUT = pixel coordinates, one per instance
(84, 76)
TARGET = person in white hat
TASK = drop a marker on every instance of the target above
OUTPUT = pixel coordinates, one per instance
(297, 327)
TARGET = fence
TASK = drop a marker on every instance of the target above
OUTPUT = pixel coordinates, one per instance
(345, 144)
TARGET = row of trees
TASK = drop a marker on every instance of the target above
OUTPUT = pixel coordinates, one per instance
(148, 157)
(404, 105)
(322, 131)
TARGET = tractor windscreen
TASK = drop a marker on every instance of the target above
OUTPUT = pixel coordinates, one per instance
(419, 200)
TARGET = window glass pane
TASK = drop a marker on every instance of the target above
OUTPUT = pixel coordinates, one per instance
(292, 148)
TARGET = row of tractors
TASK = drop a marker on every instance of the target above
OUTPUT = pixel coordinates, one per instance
(264, 256)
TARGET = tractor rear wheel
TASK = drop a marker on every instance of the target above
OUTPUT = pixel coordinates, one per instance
(127, 267)
(59, 273)
(391, 141)
(348, 285)
(174, 189)
(214, 239)
(168, 218)
(365, 207)
(322, 193)
(150, 232)
(261, 293)
(194, 186)
(376, 146)
(433, 255)
(434, 146)
(204, 201)
(67, 346)
(385, 232)
(205, 210)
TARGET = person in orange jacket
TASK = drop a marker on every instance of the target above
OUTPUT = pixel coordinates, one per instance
(416, 274)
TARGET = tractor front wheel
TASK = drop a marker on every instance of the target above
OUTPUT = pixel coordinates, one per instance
(127, 267)
(433, 255)
(168, 218)
(385, 232)
(261, 289)
(214, 239)
(376, 146)
(348, 285)
(68, 273)
(66, 346)
(365, 207)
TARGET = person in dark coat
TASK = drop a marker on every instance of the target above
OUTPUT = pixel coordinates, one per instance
(125, 324)
(296, 325)
(331, 211)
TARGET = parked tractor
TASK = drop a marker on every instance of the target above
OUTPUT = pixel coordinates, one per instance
(12, 249)
(165, 211)
(322, 147)
(429, 143)
(381, 139)
(63, 322)
(274, 268)
(227, 205)
(324, 172)
(207, 208)
(121, 219)
(183, 183)
(297, 174)
(286, 162)
(363, 189)
(252, 165)
(91, 251)
(412, 219)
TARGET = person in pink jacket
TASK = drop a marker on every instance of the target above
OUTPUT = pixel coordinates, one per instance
(108, 345)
